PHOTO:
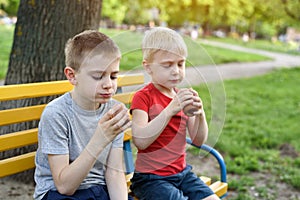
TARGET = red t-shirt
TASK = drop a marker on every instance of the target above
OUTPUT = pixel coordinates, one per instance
(166, 155)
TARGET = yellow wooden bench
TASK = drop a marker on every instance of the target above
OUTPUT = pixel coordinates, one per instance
(23, 162)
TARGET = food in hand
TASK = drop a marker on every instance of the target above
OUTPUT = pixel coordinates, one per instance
(190, 109)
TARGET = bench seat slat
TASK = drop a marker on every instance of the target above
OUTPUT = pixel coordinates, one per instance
(219, 188)
(206, 180)
(17, 164)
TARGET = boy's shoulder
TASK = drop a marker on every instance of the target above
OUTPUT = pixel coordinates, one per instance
(61, 101)
(58, 105)
(147, 88)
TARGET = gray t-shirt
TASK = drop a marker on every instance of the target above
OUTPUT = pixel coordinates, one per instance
(65, 128)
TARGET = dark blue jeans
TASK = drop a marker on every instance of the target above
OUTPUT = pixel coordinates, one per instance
(181, 186)
(98, 192)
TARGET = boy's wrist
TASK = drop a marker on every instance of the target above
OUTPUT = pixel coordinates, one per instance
(168, 112)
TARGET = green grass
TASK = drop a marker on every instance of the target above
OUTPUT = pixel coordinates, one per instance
(262, 114)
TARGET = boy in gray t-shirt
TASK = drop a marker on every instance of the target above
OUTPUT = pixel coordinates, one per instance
(81, 132)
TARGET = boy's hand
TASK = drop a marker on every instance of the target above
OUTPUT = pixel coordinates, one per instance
(186, 99)
(115, 121)
(197, 104)
(183, 98)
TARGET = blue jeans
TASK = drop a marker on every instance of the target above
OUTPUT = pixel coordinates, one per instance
(98, 192)
(181, 186)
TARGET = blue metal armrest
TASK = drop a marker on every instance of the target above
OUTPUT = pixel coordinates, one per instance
(216, 154)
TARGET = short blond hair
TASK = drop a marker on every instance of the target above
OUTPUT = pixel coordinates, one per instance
(161, 38)
(87, 44)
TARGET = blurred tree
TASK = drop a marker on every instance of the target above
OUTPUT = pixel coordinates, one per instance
(10, 6)
(37, 54)
(3, 3)
(114, 10)
(136, 14)
(292, 8)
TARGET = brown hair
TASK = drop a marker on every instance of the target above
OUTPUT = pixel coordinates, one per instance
(86, 44)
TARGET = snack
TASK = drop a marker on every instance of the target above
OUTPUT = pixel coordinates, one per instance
(190, 109)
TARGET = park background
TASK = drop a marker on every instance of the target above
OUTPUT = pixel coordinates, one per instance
(260, 137)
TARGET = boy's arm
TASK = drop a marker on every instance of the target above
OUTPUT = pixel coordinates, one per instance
(198, 128)
(145, 133)
(115, 176)
(197, 124)
(68, 176)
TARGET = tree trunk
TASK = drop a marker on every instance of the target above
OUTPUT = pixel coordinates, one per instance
(41, 32)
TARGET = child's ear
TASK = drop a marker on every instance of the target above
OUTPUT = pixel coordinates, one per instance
(70, 74)
(146, 66)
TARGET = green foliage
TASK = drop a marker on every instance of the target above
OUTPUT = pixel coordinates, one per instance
(266, 30)
(114, 9)
(136, 15)
(10, 6)
(6, 33)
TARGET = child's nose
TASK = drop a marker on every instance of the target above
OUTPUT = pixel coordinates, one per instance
(175, 69)
(107, 82)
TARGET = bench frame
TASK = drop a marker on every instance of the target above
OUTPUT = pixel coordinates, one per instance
(23, 162)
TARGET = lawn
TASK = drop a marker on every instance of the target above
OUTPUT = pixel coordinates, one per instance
(261, 130)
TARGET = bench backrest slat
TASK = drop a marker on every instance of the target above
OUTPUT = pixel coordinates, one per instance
(17, 164)
(18, 115)
(18, 139)
(31, 90)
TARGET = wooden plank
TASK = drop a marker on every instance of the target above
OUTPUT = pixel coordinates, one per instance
(128, 79)
(206, 180)
(219, 188)
(18, 115)
(128, 178)
(18, 139)
(127, 135)
(17, 164)
(31, 90)
(124, 97)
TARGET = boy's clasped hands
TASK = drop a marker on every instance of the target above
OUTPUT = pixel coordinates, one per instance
(187, 100)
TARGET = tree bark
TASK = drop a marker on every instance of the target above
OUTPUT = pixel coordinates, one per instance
(41, 32)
